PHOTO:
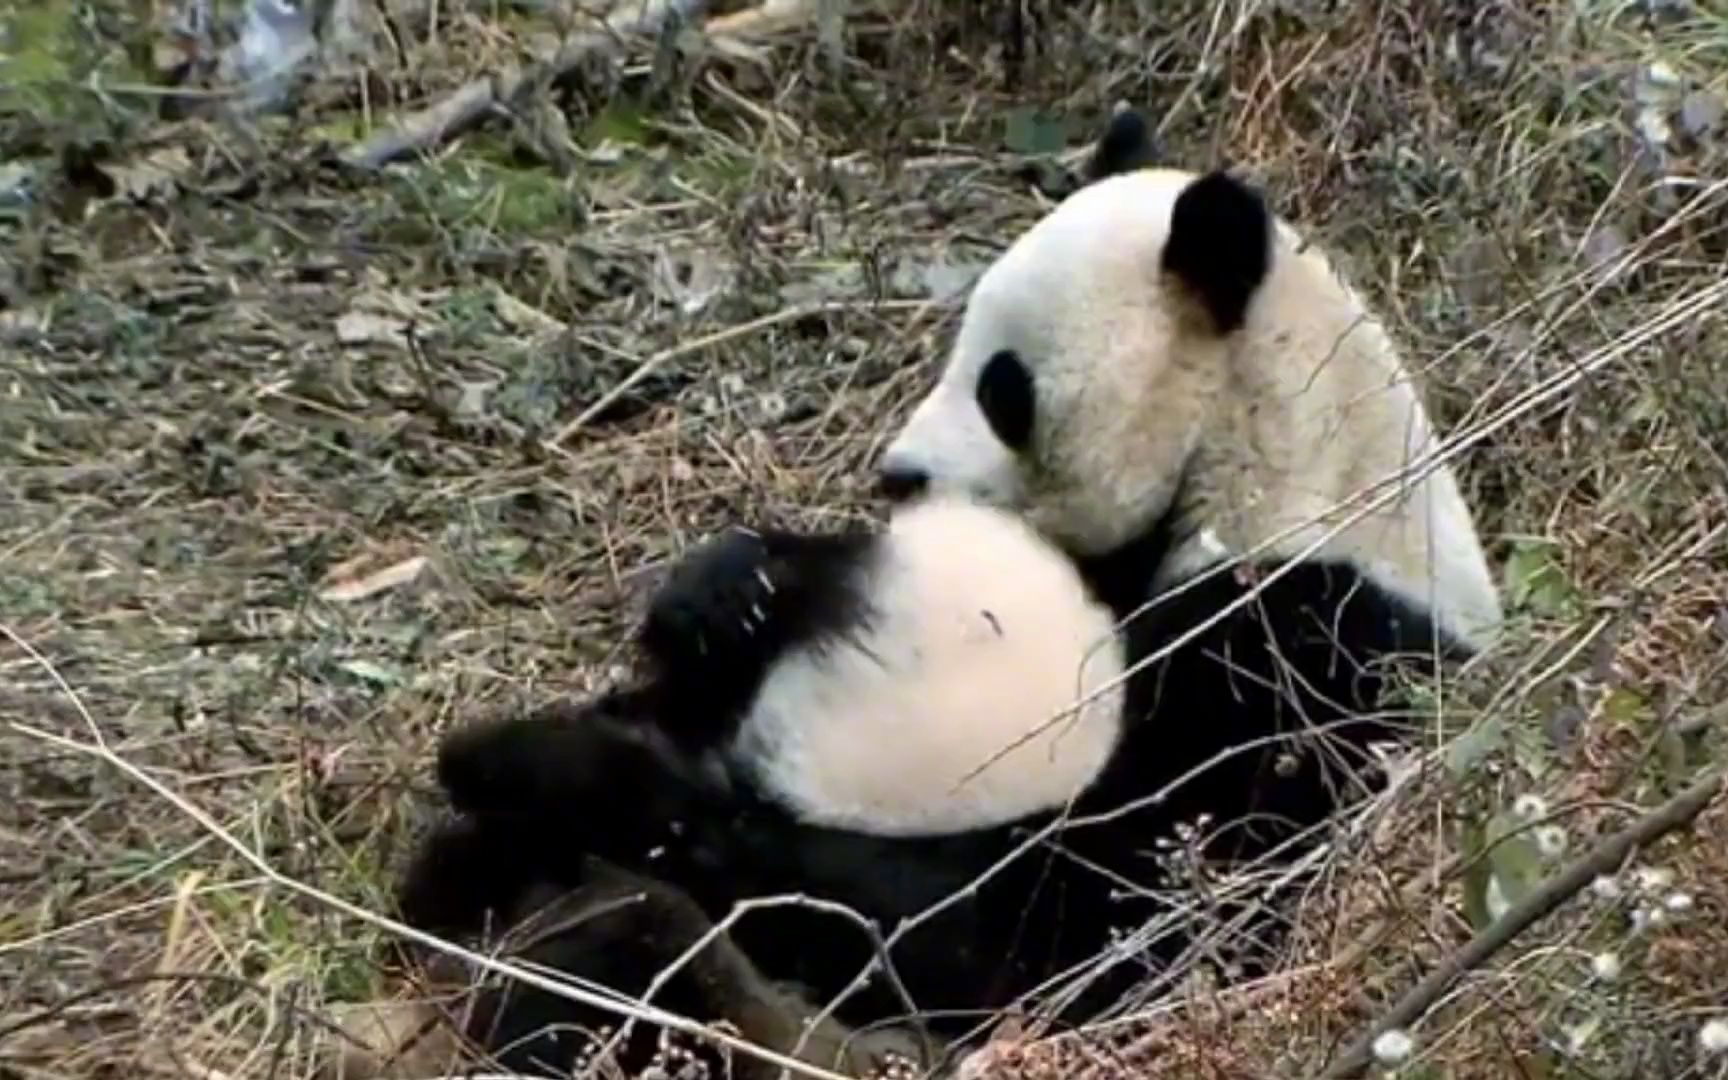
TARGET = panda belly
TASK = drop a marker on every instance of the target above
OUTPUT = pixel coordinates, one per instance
(950, 673)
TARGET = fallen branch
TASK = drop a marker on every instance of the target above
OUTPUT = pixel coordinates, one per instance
(1604, 858)
(475, 100)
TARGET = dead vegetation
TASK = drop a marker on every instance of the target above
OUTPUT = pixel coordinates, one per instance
(300, 464)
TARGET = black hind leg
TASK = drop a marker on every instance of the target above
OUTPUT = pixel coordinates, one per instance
(733, 605)
(464, 879)
(600, 934)
(621, 930)
(598, 778)
(470, 882)
(605, 929)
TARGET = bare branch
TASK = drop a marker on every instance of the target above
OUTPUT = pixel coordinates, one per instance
(475, 99)
(1602, 859)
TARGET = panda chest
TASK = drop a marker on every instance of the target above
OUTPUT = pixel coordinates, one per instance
(946, 726)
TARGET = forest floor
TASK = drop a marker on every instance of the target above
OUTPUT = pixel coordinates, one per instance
(302, 461)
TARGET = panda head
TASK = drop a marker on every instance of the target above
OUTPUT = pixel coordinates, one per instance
(1090, 352)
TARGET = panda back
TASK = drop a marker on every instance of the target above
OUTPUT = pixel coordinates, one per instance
(949, 705)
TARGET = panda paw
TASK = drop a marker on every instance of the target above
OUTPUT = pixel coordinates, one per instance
(715, 606)
(461, 876)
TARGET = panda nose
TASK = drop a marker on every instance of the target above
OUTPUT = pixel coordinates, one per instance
(899, 483)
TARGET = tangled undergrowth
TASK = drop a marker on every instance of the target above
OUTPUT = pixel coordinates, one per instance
(300, 464)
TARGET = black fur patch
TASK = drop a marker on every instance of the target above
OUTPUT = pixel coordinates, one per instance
(463, 878)
(1007, 399)
(737, 603)
(1220, 245)
(1127, 144)
(566, 762)
(1306, 657)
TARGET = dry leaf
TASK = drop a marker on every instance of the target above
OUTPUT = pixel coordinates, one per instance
(1700, 112)
(363, 327)
(522, 316)
(378, 315)
(154, 175)
(691, 280)
(388, 578)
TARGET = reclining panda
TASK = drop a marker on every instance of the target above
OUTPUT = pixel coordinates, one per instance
(861, 717)
(1168, 385)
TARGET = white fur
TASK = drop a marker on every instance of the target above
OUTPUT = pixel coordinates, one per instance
(953, 709)
(1302, 410)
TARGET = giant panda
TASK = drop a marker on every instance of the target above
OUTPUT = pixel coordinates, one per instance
(860, 717)
(1168, 385)
(1177, 387)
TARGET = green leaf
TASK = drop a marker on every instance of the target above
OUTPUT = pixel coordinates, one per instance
(620, 122)
(1468, 750)
(1516, 861)
(1626, 708)
(1032, 132)
(1530, 751)
(372, 672)
(1671, 759)
(1476, 875)
(1535, 580)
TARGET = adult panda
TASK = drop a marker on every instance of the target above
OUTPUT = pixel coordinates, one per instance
(1176, 387)
(1159, 377)
(862, 718)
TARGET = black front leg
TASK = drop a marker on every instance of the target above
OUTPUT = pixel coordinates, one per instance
(733, 606)
(535, 796)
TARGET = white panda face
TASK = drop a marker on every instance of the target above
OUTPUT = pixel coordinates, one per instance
(1088, 356)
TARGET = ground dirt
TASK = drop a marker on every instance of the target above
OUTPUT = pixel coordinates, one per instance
(302, 464)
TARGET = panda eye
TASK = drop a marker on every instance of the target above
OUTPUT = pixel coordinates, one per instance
(1005, 396)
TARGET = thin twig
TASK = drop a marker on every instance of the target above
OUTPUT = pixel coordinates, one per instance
(1602, 859)
(50, 1013)
(882, 961)
(718, 337)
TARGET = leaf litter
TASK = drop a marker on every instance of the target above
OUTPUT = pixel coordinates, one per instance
(260, 527)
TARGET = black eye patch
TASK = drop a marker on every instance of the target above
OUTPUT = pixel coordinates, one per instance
(1005, 396)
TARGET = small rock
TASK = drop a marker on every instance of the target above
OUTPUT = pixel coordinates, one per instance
(17, 185)
(1604, 245)
(1662, 73)
(1701, 112)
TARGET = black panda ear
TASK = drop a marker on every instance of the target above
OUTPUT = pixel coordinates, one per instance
(1220, 245)
(1127, 144)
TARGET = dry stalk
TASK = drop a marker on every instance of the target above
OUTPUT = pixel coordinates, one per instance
(1604, 858)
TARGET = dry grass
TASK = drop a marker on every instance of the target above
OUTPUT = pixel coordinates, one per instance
(232, 377)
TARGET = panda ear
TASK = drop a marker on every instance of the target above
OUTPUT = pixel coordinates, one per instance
(1127, 144)
(1220, 246)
